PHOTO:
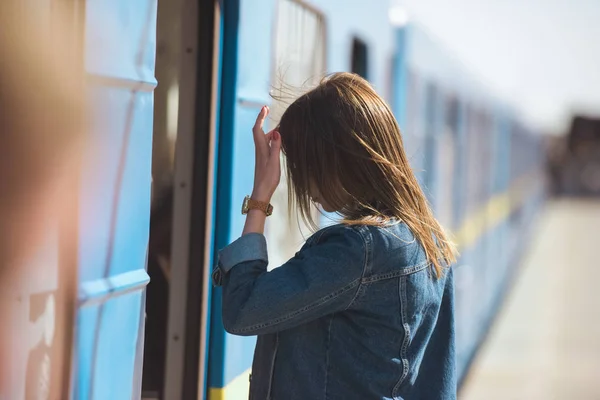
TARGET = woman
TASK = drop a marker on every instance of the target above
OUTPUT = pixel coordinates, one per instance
(365, 309)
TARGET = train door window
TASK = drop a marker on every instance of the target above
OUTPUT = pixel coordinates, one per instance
(360, 59)
(299, 64)
(299, 50)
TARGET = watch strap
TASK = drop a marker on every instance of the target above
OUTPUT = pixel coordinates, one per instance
(251, 204)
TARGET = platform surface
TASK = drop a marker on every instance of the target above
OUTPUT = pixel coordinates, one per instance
(545, 344)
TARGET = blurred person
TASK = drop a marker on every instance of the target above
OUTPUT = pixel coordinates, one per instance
(41, 127)
(365, 309)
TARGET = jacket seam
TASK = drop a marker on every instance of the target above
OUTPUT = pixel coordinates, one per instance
(327, 354)
(401, 272)
(405, 342)
(367, 243)
(304, 309)
(320, 233)
(274, 357)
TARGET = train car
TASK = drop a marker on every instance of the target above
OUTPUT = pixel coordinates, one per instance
(81, 305)
(167, 168)
(480, 169)
(573, 166)
(290, 44)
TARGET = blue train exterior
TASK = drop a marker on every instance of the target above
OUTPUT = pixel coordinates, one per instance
(481, 169)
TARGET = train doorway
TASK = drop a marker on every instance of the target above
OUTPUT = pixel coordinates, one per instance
(180, 243)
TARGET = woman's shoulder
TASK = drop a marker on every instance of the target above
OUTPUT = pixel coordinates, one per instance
(396, 229)
(353, 234)
(392, 237)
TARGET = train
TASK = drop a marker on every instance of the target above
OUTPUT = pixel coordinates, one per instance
(573, 159)
(174, 89)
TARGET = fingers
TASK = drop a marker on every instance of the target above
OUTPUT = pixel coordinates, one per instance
(275, 147)
(259, 135)
(260, 119)
(269, 136)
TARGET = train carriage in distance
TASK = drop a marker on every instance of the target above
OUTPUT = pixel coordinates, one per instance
(574, 159)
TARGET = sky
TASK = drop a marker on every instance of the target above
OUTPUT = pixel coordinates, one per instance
(541, 56)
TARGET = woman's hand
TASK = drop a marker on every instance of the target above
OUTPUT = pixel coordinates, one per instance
(267, 171)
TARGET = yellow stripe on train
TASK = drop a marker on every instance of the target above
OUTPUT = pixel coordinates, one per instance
(238, 388)
(496, 210)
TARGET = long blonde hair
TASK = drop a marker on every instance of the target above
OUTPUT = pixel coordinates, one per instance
(343, 137)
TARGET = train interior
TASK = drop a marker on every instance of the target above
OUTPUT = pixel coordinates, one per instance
(177, 340)
(166, 99)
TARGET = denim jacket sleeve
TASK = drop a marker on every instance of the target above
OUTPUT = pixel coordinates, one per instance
(322, 278)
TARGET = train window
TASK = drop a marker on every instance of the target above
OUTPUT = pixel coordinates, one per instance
(412, 104)
(299, 65)
(431, 115)
(412, 132)
(486, 157)
(479, 158)
(299, 50)
(360, 58)
(447, 156)
(452, 115)
(430, 109)
(473, 148)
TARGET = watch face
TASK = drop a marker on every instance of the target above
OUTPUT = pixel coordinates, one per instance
(269, 210)
(245, 205)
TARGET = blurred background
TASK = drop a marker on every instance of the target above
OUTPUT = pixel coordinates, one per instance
(127, 151)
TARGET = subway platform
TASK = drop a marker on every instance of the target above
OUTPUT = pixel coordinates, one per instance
(545, 343)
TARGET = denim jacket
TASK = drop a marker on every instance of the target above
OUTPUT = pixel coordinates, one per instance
(357, 313)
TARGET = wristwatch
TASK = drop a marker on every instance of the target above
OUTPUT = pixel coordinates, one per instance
(250, 204)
